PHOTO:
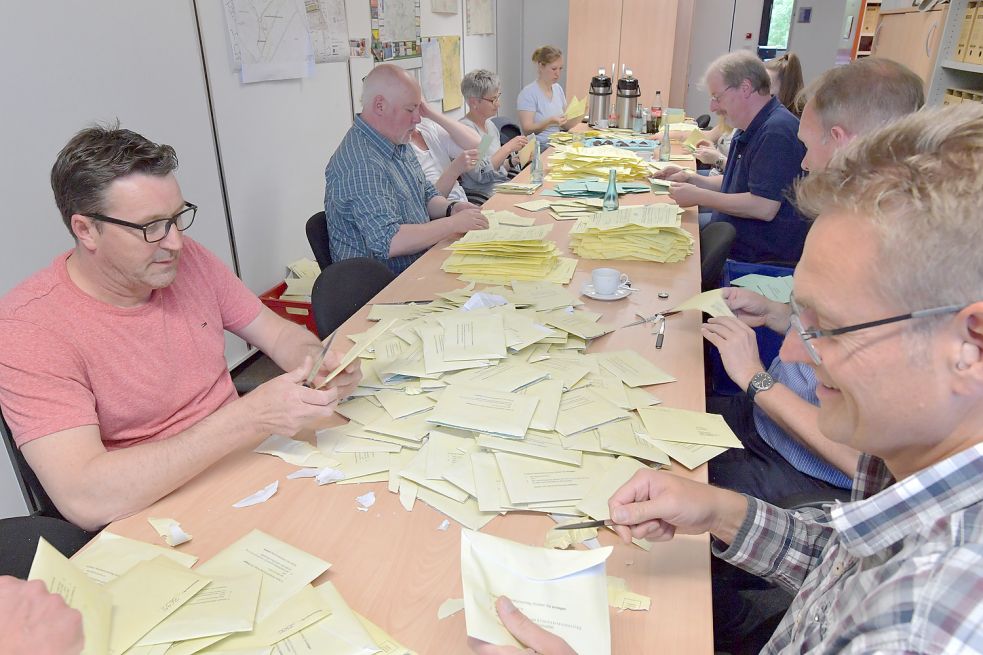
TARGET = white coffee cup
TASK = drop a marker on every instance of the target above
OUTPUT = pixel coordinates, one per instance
(607, 280)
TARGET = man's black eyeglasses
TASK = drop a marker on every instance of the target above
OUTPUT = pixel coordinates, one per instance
(157, 230)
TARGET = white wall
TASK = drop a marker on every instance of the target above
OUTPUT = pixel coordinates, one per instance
(712, 22)
(817, 42)
(510, 27)
(544, 22)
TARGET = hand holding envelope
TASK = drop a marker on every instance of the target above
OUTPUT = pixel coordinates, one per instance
(523, 629)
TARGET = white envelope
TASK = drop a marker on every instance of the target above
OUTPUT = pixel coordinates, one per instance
(563, 591)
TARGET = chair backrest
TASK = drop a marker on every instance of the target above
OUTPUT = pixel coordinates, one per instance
(38, 500)
(508, 129)
(703, 121)
(317, 236)
(345, 287)
(715, 242)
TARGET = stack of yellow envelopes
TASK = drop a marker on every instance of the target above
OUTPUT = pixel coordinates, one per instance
(594, 163)
(647, 232)
(509, 253)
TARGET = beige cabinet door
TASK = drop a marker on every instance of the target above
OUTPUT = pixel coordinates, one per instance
(593, 41)
(911, 38)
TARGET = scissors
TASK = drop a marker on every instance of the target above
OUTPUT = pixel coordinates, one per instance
(649, 319)
(309, 382)
(585, 524)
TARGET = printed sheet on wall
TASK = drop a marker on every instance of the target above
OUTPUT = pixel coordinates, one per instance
(480, 17)
(450, 57)
(443, 6)
(395, 29)
(432, 73)
(283, 39)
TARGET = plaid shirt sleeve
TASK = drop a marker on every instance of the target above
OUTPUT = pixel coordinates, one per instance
(779, 545)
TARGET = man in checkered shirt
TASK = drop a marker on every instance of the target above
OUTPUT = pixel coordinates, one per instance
(888, 310)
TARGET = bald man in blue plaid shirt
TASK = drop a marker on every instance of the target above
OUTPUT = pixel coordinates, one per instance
(376, 199)
(888, 311)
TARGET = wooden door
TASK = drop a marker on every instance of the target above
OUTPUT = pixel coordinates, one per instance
(926, 30)
(648, 35)
(593, 41)
(894, 38)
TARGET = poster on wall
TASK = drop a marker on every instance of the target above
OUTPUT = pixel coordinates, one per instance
(443, 6)
(450, 58)
(395, 29)
(283, 39)
(432, 71)
(269, 39)
(480, 17)
(328, 27)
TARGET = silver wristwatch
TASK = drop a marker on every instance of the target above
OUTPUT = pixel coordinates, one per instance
(760, 382)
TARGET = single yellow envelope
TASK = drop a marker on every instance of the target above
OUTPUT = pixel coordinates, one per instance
(146, 595)
(633, 369)
(286, 569)
(225, 606)
(484, 410)
(682, 425)
(109, 556)
(563, 591)
(341, 633)
(79, 592)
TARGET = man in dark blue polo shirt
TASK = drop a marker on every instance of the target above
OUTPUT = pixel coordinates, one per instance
(765, 159)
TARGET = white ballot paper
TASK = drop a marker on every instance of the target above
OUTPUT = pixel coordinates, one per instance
(565, 592)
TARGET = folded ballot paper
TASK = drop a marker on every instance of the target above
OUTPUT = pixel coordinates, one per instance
(644, 232)
(509, 253)
(564, 591)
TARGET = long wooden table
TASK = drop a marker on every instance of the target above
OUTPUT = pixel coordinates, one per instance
(394, 566)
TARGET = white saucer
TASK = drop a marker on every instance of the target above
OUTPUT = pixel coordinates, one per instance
(622, 292)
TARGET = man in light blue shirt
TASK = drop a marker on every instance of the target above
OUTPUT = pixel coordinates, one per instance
(377, 201)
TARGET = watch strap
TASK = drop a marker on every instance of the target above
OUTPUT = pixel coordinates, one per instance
(450, 208)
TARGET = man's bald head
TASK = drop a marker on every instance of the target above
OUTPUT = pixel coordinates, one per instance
(391, 100)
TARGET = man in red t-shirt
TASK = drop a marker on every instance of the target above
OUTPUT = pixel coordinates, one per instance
(112, 369)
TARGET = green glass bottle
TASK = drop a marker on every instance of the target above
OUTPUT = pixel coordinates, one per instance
(611, 195)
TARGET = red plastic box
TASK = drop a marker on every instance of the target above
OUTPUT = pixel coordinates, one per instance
(292, 310)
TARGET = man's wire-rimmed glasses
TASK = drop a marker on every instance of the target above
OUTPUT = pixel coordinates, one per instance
(810, 333)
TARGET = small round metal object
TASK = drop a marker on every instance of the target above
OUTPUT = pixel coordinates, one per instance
(663, 294)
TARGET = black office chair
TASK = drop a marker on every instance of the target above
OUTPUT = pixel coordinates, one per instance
(317, 236)
(508, 129)
(716, 240)
(39, 503)
(345, 287)
(703, 121)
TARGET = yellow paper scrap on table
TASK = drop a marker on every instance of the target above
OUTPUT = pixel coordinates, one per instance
(79, 592)
(170, 531)
(619, 597)
(507, 218)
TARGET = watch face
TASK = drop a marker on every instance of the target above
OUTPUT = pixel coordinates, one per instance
(762, 381)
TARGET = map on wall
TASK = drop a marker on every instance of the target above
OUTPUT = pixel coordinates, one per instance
(282, 39)
(395, 29)
(270, 39)
(432, 73)
(480, 17)
(328, 27)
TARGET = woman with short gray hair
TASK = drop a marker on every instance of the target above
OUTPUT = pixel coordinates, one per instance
(482, 91)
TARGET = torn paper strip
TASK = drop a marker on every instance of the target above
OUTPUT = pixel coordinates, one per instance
(170, 530)
(260, 496)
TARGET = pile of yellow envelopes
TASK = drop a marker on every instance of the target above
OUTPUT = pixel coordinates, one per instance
(508, 253)
(572, 163)
(255, 596)
(646, 232)
(484, 402)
